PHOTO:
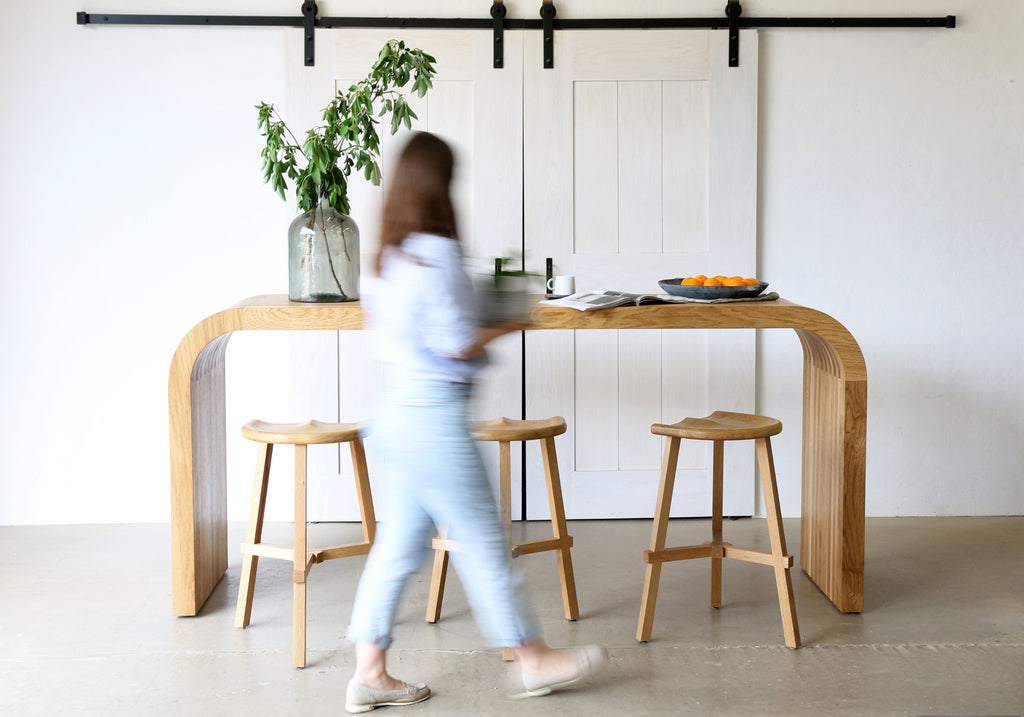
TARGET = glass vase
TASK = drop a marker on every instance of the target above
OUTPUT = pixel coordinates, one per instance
(323, 256)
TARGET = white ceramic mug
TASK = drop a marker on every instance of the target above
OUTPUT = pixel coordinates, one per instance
(561, 285)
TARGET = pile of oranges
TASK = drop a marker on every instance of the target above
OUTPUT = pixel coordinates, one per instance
(701, 280)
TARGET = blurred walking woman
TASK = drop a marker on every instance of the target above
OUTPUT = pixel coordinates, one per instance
(433, 346)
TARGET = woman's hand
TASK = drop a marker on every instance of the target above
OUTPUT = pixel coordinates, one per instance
(508, 327)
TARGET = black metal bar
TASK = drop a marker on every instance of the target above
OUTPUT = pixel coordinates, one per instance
(948, 21)
(412, 23)
(733, 21)
(637, 23)
(92, 18)
(456, 23)
(722, 23)
(498, 13)
(547, 14)
(309, 32)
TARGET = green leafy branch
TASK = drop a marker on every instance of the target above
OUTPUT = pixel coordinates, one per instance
(503, 265)
(348, 140)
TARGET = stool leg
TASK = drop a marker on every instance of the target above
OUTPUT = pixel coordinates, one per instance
(437, 578)
(561, 531)
(505, 486)
(659, 530)
(505, 506)
(299, 560)
(717, 551)
(253, 535)
(366, 513)
(784, 584)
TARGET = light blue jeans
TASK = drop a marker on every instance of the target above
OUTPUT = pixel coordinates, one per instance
(435, 477)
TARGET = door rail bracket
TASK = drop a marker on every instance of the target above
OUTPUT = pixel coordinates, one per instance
(498, 13)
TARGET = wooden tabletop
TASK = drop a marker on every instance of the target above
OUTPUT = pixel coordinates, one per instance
(275, 311)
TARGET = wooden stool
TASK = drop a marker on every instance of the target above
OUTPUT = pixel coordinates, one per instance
(300, 435)
(719, 427)
(504, 431)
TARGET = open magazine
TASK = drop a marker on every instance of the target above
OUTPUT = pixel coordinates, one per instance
(591, 300)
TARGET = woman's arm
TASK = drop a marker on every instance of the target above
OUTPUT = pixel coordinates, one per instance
(487, 334)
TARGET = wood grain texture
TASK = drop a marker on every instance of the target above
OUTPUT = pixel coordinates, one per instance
(834, 440)
(614, 54)
(721, 426)
(307, 433)
(833, 466)
(198, 468)
(597, 401)
(640, 378)
(512, 429)
(595, 168)
(684, 125)
(640, 155)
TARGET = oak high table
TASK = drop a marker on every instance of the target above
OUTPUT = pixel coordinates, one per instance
(834, 432)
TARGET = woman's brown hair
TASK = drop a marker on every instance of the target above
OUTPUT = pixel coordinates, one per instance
(418, 198)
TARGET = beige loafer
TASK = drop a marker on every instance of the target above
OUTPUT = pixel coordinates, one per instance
(589, 661)
(360, 698)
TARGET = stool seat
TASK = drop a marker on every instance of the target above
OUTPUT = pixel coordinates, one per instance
(305, 434)
(510, 429)
(721, 426)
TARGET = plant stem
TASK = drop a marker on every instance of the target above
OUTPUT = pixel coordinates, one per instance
(327, 246)
(287, 129)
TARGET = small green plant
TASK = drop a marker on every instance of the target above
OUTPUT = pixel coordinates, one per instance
(348, 139)
(506, 266)
(504, 294)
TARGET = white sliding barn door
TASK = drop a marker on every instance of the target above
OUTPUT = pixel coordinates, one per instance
(476, 109)
(639, 165)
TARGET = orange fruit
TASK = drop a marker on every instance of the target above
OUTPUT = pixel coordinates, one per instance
(713, 281)
(733, 281)
(701, 278)
(751, 282)
(692, 281)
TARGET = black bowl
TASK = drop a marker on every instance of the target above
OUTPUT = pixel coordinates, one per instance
(676, 288)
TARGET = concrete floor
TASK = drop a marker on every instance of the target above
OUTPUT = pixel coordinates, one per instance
(86, 629)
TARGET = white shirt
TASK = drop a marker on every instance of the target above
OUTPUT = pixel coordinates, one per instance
(422, 310)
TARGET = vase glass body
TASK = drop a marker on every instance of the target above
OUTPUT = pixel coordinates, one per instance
(323, 256)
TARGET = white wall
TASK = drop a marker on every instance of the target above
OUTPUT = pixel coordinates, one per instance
(131, 206)
(892, 197)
